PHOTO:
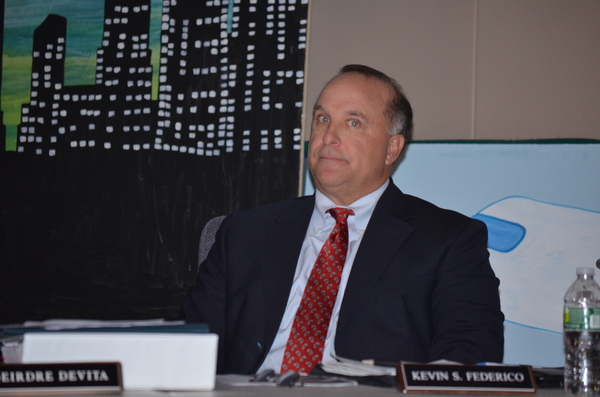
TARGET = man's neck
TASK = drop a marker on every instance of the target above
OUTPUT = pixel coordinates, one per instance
(348, 203)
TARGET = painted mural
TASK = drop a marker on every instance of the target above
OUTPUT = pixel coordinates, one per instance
(127, 124)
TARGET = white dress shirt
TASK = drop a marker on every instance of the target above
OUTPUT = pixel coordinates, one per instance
(319, 228)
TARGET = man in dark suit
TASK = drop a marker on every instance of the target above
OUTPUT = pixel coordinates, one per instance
(416, 284)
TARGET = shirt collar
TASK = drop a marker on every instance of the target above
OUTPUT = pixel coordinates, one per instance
(363, 208)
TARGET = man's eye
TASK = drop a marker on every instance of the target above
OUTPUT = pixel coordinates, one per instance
(322, 119)
(353, 123)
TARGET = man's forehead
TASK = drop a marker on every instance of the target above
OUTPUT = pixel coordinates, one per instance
(352, 92)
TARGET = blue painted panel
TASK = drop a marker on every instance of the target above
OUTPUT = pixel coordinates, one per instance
(541, 203)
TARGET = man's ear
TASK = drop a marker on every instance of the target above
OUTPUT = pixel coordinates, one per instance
(394, 148)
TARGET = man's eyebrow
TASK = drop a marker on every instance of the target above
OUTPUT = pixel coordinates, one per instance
(353, 113)
(316, 108)
(356, 113)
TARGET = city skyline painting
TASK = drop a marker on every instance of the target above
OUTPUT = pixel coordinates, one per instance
(218, 91)
(128, 125)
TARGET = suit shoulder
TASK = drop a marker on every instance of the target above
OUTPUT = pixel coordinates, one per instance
(286, 208)
(432, 214)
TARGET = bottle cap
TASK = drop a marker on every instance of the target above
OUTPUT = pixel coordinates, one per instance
(585, 271)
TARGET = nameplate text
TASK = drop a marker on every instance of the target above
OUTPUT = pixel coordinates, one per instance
(63, 377)
(465, 379)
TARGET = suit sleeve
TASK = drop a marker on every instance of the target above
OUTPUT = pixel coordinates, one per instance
(205, 301)
(466, 315)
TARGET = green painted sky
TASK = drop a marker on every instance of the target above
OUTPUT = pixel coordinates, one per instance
(84, 37)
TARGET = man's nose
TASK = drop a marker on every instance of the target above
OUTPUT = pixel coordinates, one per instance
(331, 135)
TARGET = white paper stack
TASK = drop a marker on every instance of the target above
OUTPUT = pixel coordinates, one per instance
(163, 361)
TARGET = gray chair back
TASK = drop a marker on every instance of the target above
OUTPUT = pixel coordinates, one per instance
(207, 237)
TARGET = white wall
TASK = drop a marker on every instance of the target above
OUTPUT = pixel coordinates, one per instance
(473, 69)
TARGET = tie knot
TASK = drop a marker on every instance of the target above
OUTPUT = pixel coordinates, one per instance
(340, 214)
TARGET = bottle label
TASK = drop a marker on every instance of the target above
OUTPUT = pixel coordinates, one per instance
(581, 318)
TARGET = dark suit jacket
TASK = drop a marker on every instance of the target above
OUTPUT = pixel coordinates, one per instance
(421, 287)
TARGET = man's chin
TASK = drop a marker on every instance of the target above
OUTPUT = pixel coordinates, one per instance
(328, 182)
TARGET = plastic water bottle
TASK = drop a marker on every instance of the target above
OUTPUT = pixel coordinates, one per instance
(582, 335)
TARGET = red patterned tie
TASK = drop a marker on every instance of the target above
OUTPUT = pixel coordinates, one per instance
(304, 348)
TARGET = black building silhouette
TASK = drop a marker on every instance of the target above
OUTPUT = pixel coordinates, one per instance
(116, 112)
(231, 78)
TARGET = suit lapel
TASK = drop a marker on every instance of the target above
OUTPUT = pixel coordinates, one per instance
(285, 237)
(385, 233)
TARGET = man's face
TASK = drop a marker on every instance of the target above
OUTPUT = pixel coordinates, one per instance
(351, 151)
